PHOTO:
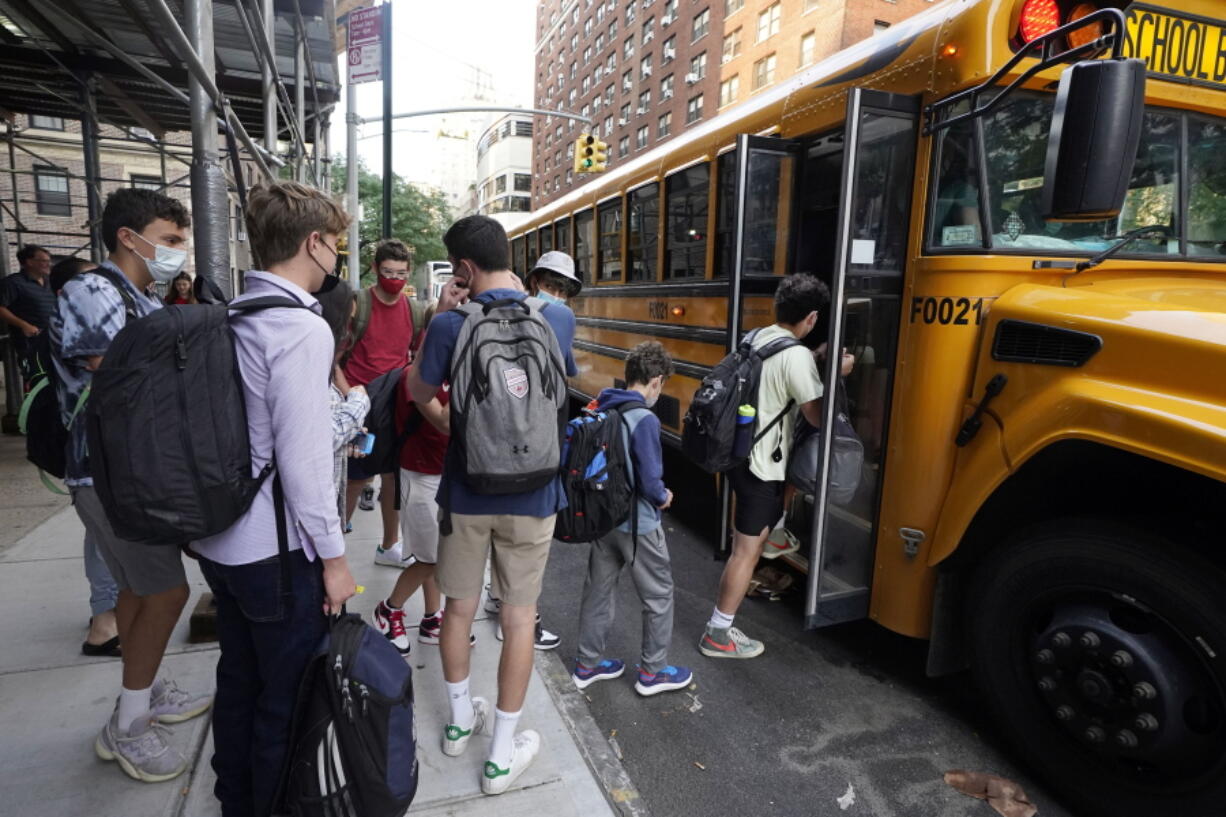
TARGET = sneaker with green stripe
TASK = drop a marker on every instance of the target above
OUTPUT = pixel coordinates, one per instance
(495, 779)
(455, 737)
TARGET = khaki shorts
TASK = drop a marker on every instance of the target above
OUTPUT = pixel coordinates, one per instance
(521, 549)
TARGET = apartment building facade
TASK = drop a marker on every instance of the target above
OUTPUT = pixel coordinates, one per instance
(645, 70)
(642, 70)
(504, 170)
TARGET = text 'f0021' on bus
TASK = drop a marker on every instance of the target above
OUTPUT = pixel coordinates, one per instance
(1031, 273)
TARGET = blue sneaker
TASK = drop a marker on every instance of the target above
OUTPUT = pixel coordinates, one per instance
(606, 670)
(666, 680)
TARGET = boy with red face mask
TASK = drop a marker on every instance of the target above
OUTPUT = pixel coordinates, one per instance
(386, 332)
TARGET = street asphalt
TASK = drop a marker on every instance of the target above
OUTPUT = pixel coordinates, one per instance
(790, 732)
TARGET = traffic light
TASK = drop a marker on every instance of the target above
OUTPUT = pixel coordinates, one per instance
(591, 154)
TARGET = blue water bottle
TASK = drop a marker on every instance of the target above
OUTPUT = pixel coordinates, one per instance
(742, 441)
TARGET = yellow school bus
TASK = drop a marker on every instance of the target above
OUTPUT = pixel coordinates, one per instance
(1041, 403)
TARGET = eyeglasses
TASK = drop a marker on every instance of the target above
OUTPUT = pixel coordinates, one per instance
(394, 274)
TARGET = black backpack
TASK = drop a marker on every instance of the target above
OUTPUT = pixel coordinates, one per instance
(600, 491)
(40, 419)
(710, 422)
(384, 457)
(167, 425)
(353, 746)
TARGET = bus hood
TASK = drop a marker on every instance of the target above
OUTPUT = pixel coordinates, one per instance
(1198, 295)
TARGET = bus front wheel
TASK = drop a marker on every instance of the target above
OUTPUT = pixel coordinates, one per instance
(1100, 651)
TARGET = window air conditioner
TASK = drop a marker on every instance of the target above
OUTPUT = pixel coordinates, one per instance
(667, 19)
(640, 110)
(648, 37)
(690, 79)
(647, 70)
(666, 95)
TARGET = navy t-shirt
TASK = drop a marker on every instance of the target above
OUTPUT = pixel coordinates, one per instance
(435, 367)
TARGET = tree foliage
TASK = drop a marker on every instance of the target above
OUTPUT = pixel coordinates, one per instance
(420, 216)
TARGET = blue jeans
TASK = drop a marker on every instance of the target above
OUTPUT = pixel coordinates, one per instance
(102, 588)
(266, 637)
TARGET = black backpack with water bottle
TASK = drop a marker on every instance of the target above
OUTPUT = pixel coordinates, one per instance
(710, 432)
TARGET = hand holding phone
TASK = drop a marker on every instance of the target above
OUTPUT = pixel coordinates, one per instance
(364, 443)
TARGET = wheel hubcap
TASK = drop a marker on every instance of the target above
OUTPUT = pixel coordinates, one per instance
(1128, 687)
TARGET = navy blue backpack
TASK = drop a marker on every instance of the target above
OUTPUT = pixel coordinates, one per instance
(353, 751)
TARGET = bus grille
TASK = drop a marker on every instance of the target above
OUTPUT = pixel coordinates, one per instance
(1022, 342)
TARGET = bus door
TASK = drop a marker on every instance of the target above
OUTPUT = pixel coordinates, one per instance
(758, 218)
(870, 243)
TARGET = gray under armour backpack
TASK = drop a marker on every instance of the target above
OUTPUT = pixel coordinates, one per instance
(508, 397)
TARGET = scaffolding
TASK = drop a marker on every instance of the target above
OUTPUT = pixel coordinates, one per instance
(254, 82)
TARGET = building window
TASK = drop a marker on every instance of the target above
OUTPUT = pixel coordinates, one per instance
(628, 81)
(630, 13)
(810, 5)
(147, 182)
(608, 126)
(587, 84)
(698, 66)
(587, 27)
(669, 52)
(665, 125)
(685, 234)
(763, 72)
(768, 22)
(645, 66)
(732, 46)
(523, 182)
(624, 114)
(599, 43)
(628, 47)
(729, 90)
(644, 101)
(609, 93)
(596, 104)
(640, 138)
(693, 110)
(612, 29)
(808, 49)
(649, 29)
(46, 122)
(574, 43)
(524, 129)
(51, 191)
(609, 245)
(702, 24)
(732, 6)
(880, 26)
(623, 146)
(666, 87)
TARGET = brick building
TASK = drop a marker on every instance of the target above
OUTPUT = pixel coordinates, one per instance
(643, 70)
(764, 42)
(42, 185)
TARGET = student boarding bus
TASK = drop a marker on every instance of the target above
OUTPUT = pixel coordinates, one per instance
(1041, 402)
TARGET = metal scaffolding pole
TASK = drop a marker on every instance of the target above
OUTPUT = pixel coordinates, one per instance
(93, 168)
(13, 386)
(210, 202)
(10, 133)
(300, 99)
(269, 76)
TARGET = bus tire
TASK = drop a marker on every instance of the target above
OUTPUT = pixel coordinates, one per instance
(1099, 650)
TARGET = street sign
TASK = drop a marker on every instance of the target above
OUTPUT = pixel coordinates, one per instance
(365, 45)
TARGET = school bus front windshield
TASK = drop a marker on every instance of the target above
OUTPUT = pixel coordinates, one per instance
(1015, 140)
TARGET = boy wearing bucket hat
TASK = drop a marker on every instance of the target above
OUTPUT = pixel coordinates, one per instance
(553, 278)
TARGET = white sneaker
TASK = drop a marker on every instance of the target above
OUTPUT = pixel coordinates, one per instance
(545, 640)
(393, 556)
(455, 739)
(492, 605)
(496, 780)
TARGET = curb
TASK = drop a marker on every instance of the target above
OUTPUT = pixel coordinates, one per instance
(601, 756)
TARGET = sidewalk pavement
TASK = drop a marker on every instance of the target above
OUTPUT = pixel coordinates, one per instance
(53, 701)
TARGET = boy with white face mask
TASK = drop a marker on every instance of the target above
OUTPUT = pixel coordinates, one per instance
(553, 278)
(647, 367)
(146, 235)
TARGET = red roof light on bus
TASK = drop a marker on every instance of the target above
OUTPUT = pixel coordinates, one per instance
(1038, 18)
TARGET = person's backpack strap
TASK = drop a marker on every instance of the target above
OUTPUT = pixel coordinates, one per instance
(116, 280)
(266, 302)
(278, 504)
(767, 351)
(421, 312)
(361, 320)
(623, 412)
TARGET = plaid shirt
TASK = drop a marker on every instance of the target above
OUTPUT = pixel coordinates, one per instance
(348, 414)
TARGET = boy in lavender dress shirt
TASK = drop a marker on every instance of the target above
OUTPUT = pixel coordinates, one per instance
(267, 632)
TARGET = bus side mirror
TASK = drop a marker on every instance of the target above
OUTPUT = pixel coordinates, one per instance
(1095, 128)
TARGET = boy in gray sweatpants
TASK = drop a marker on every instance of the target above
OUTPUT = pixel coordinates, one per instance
(647, 367)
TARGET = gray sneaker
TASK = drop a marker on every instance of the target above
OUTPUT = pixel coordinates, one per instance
(173, 704)
(728, 643)
(143, 752)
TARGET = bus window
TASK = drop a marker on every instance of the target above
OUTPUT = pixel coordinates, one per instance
(531, 254)
(583, 246)
(818, 208)
(685, 238)
(609, 246)
(725, 214)
(562, 235)
(1206, 188)
(644, 204)
(955, 218)
(517, 256)
(544, 239)
(768, 212)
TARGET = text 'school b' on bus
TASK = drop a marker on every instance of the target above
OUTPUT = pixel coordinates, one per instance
(1031, 273)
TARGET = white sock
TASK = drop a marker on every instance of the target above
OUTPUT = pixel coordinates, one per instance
(503, 745)
(782, 521)
(132, 704)
(462, 713)
(718, 620)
